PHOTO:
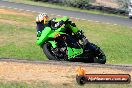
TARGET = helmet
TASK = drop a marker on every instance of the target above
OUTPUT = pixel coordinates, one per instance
(42, 17)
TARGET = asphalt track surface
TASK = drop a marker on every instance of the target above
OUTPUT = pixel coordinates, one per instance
(73, 64)
(73, 14)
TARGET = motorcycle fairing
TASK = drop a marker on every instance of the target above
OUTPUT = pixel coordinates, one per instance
(43, 36)
(48, 33)
(73, 52)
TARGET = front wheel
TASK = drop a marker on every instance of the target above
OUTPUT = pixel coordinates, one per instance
(47, 50)
(57, 53)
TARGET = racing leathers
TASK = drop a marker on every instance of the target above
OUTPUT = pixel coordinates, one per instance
(56, 23)
(69, 26)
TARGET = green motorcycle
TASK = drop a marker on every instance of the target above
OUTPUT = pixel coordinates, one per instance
(58, 45)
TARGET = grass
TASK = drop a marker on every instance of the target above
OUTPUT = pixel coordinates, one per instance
(59, 6)
(15, 18)
(19, 42)
(47, 85)
(14, 85)
(18, 37)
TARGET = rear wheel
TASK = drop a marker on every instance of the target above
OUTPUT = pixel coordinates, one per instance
(95, 54)
(99, 56)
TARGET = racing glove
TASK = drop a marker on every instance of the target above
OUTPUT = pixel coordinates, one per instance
(38, 33)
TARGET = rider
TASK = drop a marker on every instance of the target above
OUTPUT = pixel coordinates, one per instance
(42, 21)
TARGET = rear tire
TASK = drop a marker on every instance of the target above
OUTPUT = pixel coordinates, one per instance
(99, 56)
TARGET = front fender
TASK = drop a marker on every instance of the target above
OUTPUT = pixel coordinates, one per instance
(53, 43)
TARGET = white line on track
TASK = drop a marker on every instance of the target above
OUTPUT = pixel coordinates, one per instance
(33, 11)
(39, 12)
(28, 10)
(107, 23)
(9, 7)
(83, 19)
(115, 24)
(58, 15)
(89, 20)
(52, 14)
(77, 18)
(21, 9)
(55, 14)
(2, 6)
(97, 21)
(15, 8)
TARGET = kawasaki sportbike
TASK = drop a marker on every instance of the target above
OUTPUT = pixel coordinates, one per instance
(58, 45)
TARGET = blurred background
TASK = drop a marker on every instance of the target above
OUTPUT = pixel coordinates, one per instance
(110, 6)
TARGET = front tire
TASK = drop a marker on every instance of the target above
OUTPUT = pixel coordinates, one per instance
(47, 50)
